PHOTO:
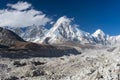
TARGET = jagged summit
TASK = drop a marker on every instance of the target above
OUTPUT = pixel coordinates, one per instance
(65, 30)
(100, 37)
(63, 21)
(98, 33)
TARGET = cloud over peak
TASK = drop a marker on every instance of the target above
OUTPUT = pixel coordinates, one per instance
(22, 14)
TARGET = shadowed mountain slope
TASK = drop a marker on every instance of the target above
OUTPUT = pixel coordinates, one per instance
(12, 46)
(8, 38)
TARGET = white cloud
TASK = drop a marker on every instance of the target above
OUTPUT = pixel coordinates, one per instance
(18, 18)
(20, 5)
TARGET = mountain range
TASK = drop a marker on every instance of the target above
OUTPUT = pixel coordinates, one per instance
(63, 30)
(65, 51)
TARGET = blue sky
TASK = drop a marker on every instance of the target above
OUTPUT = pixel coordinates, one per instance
(89, 14)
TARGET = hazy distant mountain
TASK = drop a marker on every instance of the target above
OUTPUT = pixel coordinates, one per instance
(114, 40)
(30, 33)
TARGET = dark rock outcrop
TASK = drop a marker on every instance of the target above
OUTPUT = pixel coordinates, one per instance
(8, 38)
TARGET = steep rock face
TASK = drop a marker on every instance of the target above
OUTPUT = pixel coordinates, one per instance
(63, 30)
(8, 37)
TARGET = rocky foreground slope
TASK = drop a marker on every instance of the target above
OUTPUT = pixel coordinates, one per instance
(99, 64)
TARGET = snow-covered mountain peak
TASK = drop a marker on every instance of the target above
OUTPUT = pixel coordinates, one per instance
(63, 20)
(100, 37)
(65, 30)
(98, 33)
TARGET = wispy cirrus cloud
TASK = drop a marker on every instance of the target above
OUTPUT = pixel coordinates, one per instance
(22, 14)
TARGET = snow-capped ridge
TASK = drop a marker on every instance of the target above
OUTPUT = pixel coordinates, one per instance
(31, 33)
(65, 30)
(63, 20)
(100, 37)
(98, 32)
(114, 40)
